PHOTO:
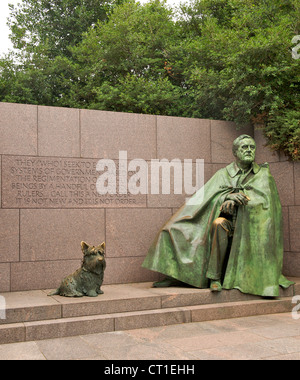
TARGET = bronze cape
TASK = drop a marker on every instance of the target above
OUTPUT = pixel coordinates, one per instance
(182, 248)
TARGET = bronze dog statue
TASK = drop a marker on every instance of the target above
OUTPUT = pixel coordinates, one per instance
(88, 279)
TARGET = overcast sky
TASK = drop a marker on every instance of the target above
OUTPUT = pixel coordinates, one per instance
(5, 43)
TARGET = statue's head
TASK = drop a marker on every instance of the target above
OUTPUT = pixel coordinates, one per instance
(243, 149)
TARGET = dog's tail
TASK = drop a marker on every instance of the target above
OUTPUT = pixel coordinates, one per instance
(55, 292)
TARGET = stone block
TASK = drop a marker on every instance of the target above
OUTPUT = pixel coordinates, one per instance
(0, 181)
(187, 189)
(144, 319)
(283, 175)
(291, 264)
(18, 129)
(191, 297)
(239, 309)
(294, 216)
(70, 348)
(12, 333)
(162, 200)
(296, 287)
(116, 299)
(223, 133)
(104, 134)
(41, 274)
(263, 153)
(131, 232)
(48, 182)
(68, 327)
(9, 235)
(57, 234)
(33, 305)
(5, 277)
(183, 138)
(124, 270)
(58, 132)
(297, 182)
(23, 351)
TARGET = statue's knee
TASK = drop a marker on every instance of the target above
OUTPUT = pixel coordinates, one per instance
(219, 222)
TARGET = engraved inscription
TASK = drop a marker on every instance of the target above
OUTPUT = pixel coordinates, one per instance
(39, 182)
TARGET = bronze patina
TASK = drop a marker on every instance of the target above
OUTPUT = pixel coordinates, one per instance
(87, 280)
(232, 237)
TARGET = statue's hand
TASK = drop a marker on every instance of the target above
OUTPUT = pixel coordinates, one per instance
(239, 198)
(228, 207)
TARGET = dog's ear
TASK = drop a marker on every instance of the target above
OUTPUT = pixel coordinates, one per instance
(101, 248)
(84, 247)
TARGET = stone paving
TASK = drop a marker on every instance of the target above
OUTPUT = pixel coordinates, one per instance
(268, 337)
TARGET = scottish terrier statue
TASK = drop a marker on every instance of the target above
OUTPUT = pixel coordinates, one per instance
(88, 279)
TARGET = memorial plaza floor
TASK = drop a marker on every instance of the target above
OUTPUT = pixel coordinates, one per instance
(268, 337)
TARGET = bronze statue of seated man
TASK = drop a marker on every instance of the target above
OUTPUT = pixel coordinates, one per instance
(232, 237)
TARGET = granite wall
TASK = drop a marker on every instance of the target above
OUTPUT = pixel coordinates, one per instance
(49, 202)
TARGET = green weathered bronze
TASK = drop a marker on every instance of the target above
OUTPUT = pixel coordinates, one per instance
(232, 237)
(88, 279)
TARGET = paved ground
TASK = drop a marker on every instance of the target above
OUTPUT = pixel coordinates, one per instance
(270, 337)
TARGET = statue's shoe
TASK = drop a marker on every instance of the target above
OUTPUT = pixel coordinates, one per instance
(167, 282)
(215, 286)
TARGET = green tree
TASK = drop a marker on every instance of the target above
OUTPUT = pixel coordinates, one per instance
(41, 69)
(55, 24)
(125, 62)
(240, 66)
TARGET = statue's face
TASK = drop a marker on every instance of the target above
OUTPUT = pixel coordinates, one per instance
(245, 153)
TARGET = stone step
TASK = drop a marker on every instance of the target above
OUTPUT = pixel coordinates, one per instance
(64, 327)
(33, 315)
(35, 305)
